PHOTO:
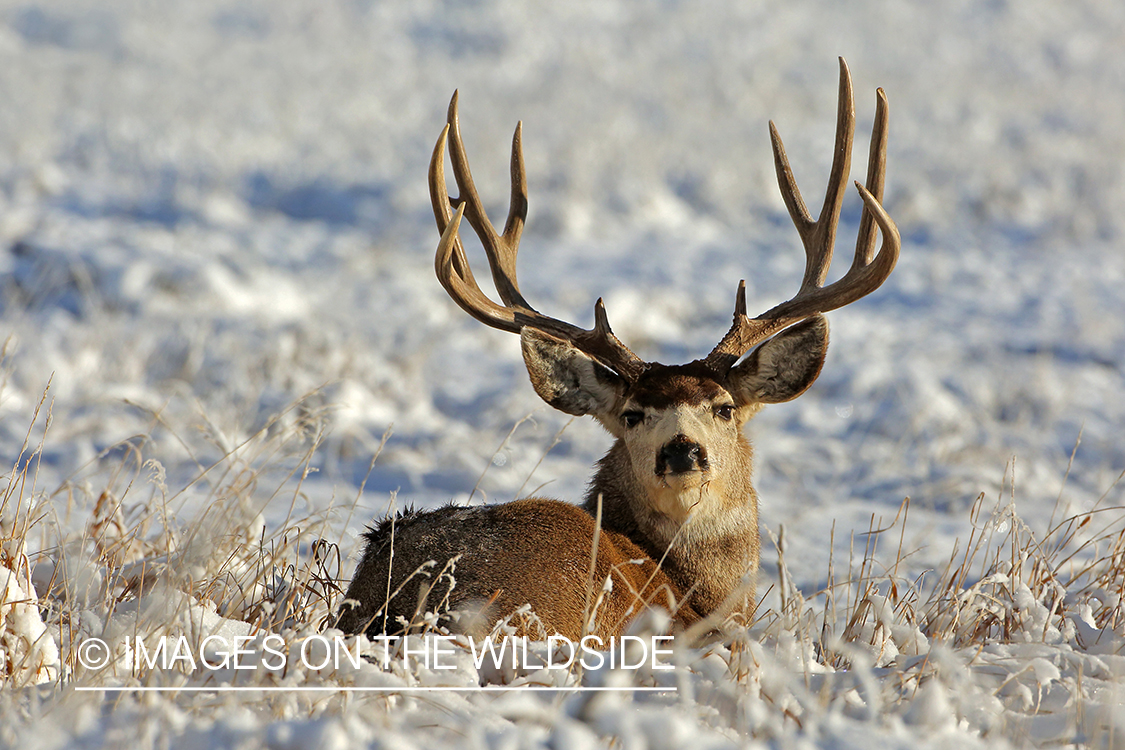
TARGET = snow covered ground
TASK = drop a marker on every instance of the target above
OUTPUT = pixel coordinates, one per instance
(212, 210)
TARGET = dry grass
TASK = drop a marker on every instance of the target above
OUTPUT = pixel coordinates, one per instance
(957, 646)
(1006, 585)
(133, 543)
(1022, 635)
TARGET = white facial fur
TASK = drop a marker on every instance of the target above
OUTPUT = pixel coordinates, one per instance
(680, 495)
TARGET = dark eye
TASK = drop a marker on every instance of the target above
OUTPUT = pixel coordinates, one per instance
(633, 418)
(726, 411)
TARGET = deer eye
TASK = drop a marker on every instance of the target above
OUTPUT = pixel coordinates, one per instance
(633, 418)
(725, 412)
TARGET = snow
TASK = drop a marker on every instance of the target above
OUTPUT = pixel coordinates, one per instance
(28, 652)
(216, 240)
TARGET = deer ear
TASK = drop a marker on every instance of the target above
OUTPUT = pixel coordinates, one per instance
(567, 378)
(784, 367)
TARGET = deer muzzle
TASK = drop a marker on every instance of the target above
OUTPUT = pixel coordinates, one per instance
(681, 455)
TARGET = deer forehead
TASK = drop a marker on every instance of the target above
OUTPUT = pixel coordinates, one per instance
(666, 388)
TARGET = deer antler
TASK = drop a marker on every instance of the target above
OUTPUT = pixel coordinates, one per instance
(456, 277)
(864, 276)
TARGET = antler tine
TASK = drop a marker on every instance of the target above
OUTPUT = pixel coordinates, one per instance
(450, 249)
(461, 286)
(864, 276)
(876, 177)
(501, 249)
(455, 275)
(819, 237)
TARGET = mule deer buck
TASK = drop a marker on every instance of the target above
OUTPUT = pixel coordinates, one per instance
(670, 517)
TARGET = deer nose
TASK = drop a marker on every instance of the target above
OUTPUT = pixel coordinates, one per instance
(680, 455)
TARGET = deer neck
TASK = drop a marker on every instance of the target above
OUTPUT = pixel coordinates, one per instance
(707, 550)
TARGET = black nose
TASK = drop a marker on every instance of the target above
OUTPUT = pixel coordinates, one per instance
(681, 455)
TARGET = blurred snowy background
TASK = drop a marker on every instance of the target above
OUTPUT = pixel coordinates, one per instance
(209, 209)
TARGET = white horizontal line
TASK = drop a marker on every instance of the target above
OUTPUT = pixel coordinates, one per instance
(405, 689)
